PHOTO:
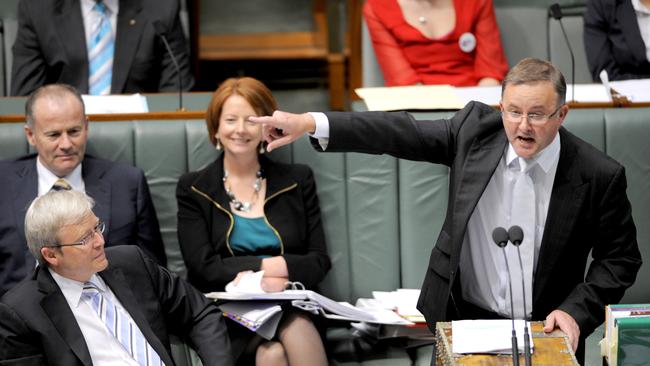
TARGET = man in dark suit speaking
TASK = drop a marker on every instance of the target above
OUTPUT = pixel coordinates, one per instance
(58, 128)
(516, 166)
(99, 46)
(85, 305)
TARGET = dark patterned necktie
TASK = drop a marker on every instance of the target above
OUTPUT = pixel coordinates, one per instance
(61, 185)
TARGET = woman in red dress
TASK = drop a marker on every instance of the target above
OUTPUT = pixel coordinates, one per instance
(454, 42)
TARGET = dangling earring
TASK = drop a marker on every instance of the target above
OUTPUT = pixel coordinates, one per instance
(218, 145)
(261, 148)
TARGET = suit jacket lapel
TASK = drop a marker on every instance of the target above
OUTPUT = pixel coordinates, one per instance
(130, 24)
(482, 159)
(57, 309)
(72, 35)
(25, 189)
(98, 189)
(627, 19)
(566, 198)
(116, 280)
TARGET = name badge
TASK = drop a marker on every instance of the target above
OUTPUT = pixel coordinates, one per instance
(467, 42)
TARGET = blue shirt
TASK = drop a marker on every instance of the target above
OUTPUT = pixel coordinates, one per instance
(253, 236)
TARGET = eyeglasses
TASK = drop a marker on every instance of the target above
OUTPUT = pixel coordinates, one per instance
(98, 229)
(534, 118)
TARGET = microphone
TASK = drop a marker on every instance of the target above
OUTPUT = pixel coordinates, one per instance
(516, 235)
(500, 237)
(160, 31)
(556, 12)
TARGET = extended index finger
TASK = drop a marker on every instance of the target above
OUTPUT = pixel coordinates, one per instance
(266, 120)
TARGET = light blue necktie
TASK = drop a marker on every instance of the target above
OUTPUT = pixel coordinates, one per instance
(100, 52)
(121, 326)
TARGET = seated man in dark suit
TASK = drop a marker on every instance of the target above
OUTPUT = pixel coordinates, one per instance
(617, 38)
(58, 128)
(99, 46)
(85, 305)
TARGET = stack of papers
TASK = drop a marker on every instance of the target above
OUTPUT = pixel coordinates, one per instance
(249, 291)
(487, 336)
(403, 301)
(100, 104)
(260, 317)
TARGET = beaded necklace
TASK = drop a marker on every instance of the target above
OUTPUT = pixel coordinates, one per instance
(241, 205)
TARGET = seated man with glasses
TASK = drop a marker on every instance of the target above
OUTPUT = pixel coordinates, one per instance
(519, 167)
(88, 305)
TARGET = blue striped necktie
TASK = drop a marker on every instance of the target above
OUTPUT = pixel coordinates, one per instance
(100, 52)
(121, 326)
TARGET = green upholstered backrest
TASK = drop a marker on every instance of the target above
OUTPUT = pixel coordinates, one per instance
(381, 215)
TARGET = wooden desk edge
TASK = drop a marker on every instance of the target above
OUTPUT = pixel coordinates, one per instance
(536, 330)
(13, 118)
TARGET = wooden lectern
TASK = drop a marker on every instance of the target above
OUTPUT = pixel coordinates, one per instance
(549, 349)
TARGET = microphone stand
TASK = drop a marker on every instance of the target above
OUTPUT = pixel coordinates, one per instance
(527, 354)
(573, 63)
(161, 32)
(515, 348)
(556, 12)
(516, 235)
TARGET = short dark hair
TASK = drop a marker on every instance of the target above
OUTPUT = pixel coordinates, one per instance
(50, 91)
(533, 70)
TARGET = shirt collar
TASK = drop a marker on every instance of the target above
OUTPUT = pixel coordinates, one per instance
(72, 289)
(87, 6)
(48, 178)
(545, 158)
(640, 8)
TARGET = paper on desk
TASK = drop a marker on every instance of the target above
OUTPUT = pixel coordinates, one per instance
(635, 90)
(588, 93)
(487, 336)
(403, 301)
(395, 98)
(490, 95)
(100, 104)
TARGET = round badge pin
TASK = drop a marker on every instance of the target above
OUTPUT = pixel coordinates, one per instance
(467, 42)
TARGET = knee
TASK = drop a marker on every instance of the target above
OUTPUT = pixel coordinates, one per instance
(271, 353)
(296, 321)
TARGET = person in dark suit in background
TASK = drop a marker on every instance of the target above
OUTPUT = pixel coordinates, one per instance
(617, 38)
(577, 194)
(58, 128)
(55, 43)
(85, 305)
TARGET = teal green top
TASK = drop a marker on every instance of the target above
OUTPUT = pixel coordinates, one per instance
(252, 236)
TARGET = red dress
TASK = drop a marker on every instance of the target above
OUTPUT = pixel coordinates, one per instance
(407, 57)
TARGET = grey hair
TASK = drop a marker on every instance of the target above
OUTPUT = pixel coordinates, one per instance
(50, 212)
(52, 91)
(533, 70)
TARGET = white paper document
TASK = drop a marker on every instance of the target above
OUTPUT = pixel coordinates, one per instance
(637, 90)
(403, 301)
(106, 104)
(249, 288)
(426, 97)
(487, 336)
(260, 317)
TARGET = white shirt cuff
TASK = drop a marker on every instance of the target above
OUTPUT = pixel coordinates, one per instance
(322, 131)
